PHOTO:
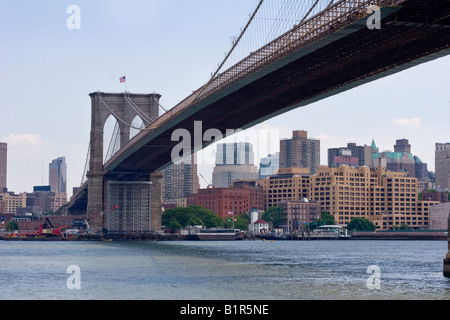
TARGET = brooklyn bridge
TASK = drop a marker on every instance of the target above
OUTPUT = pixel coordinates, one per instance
(334, 46)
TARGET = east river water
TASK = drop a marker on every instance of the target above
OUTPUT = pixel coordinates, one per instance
(223, 270)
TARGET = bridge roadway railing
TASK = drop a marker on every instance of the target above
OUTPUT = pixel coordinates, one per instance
(335, 17)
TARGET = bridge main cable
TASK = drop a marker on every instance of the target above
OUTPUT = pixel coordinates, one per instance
(235, 43)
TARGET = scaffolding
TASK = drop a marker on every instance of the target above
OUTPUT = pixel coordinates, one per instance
(131, 219)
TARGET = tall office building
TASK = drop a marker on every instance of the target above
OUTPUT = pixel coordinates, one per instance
(300, 152)
(234, 161)
(3, 165)
(402, 145)
(442, 165)
(352, 155)
(58, 175)
(180, 180)
(401, 160)
(269, 165)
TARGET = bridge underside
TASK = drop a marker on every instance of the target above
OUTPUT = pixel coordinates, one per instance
(343, 59)
(338, 60)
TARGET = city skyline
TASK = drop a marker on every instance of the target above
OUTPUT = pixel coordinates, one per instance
(57, 68)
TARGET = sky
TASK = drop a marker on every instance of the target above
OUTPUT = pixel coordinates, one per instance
(171, 47)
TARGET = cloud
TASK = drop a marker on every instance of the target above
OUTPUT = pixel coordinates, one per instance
(408, 122)
(23, 140)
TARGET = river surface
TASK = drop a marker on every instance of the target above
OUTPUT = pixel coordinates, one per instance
(231, 270)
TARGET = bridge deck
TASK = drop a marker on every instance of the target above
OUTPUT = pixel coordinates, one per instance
(337, 61)
(344, 55)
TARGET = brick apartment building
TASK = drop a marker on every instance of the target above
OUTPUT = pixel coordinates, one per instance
(238, 199)
(299, 213)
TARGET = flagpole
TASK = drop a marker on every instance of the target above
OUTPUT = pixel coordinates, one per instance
(233, 220)
(124, 80)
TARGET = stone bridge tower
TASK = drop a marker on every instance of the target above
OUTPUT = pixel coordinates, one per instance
(112, 201)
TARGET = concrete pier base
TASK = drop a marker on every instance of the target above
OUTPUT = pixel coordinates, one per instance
(447, 258)
(447, 266)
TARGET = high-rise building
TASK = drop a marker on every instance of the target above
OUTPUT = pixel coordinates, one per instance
(269, 165)
(421, 169)
(58, 175)
(300, 152)
(442, 166)
(352, 155)
(401, 160)
(179, 180)
(234, 161)
(3, 165)
(402, 145)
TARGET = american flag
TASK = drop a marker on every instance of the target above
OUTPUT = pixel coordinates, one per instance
(122, 79)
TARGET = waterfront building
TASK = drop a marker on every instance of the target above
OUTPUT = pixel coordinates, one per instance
(300, 152)
(234, 161)
(442, 166)
(286, 184)
(3, 165)
(387, 198)
(239, 199)
(299, 214)
(256, 225)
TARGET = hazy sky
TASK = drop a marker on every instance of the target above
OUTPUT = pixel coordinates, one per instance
(171, 47)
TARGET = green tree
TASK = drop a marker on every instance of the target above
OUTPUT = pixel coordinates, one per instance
(401, 227)
(178, 218)
(12, 225)
(274, 216)
(241, 222)
(325, 219)
(361, 224)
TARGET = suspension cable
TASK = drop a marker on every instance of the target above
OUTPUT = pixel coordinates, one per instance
(139, 111)
(235, 43)
(119, 119)
(311, 9)
(86, 164)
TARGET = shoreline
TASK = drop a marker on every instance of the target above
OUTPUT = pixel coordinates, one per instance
(425, 235)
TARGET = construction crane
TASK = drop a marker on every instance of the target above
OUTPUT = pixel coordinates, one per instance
(208, 184)
(88, 229)
(47, 229)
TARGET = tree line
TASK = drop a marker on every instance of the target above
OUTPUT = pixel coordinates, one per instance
(181, 217)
